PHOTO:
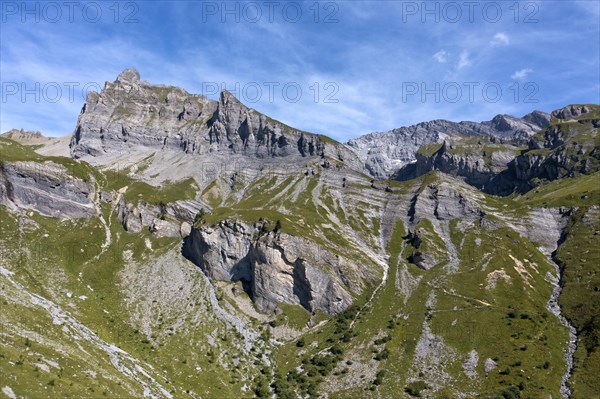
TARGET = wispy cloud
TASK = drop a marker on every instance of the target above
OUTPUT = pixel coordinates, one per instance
(441, 56)
(521, 74)
(464, 60)
(500, 39)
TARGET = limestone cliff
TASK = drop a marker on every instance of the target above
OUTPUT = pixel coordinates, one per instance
(274, 268)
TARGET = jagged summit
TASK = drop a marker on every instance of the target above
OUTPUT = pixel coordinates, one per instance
(131, 119)
(130, 116)
(130, 75)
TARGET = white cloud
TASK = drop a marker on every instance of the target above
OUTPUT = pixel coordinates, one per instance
(463, 60)
(441, 56)
(521, 74)
(500, 39)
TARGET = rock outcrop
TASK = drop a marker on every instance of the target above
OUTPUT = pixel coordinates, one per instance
(575, 111)
(46, 187)
(164, 220)
(274, 268)
(480, 164)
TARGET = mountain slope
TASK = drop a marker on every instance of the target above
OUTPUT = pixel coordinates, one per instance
(289, 272)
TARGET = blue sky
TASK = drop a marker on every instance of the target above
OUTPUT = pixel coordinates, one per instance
(337, 68)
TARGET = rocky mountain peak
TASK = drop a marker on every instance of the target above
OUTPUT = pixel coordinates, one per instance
(538, 118)
(129, 75)
(504, 123)
(21, 135)
(226, 97)
(131, 116)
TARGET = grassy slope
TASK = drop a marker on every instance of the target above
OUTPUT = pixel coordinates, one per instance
(580, 299)
(579, 256)
(70, 249)
(62, 261)
(518, 333)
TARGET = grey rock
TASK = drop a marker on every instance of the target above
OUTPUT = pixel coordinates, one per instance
(158, 220)
(46, 187)
(274, 268)
(571, 111)
(442, 202)
(490, 224)
(185, 229)
(185, 210)
(164, 228)
(479, 164)
(130, 114)
(129, 216)
(169, 220)
(560, 150)
(439, 203)
(470, 364)
(537, 118)
(489, 365)
(106, 196)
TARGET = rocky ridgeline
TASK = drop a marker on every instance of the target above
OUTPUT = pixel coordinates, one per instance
(274, 267)
(25, 136)
(385, 153)
(130, 113)
(567, 146)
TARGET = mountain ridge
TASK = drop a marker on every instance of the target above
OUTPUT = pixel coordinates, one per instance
(383, 153)
(194, 124)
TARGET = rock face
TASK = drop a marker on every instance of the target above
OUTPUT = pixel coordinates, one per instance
(273, 267)
(385, 153)
(444, 203)
(560, 150)
(168, 220)
(566, 147)
(47, 188)
(131, 114)
(429, 215)
(480, 164)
